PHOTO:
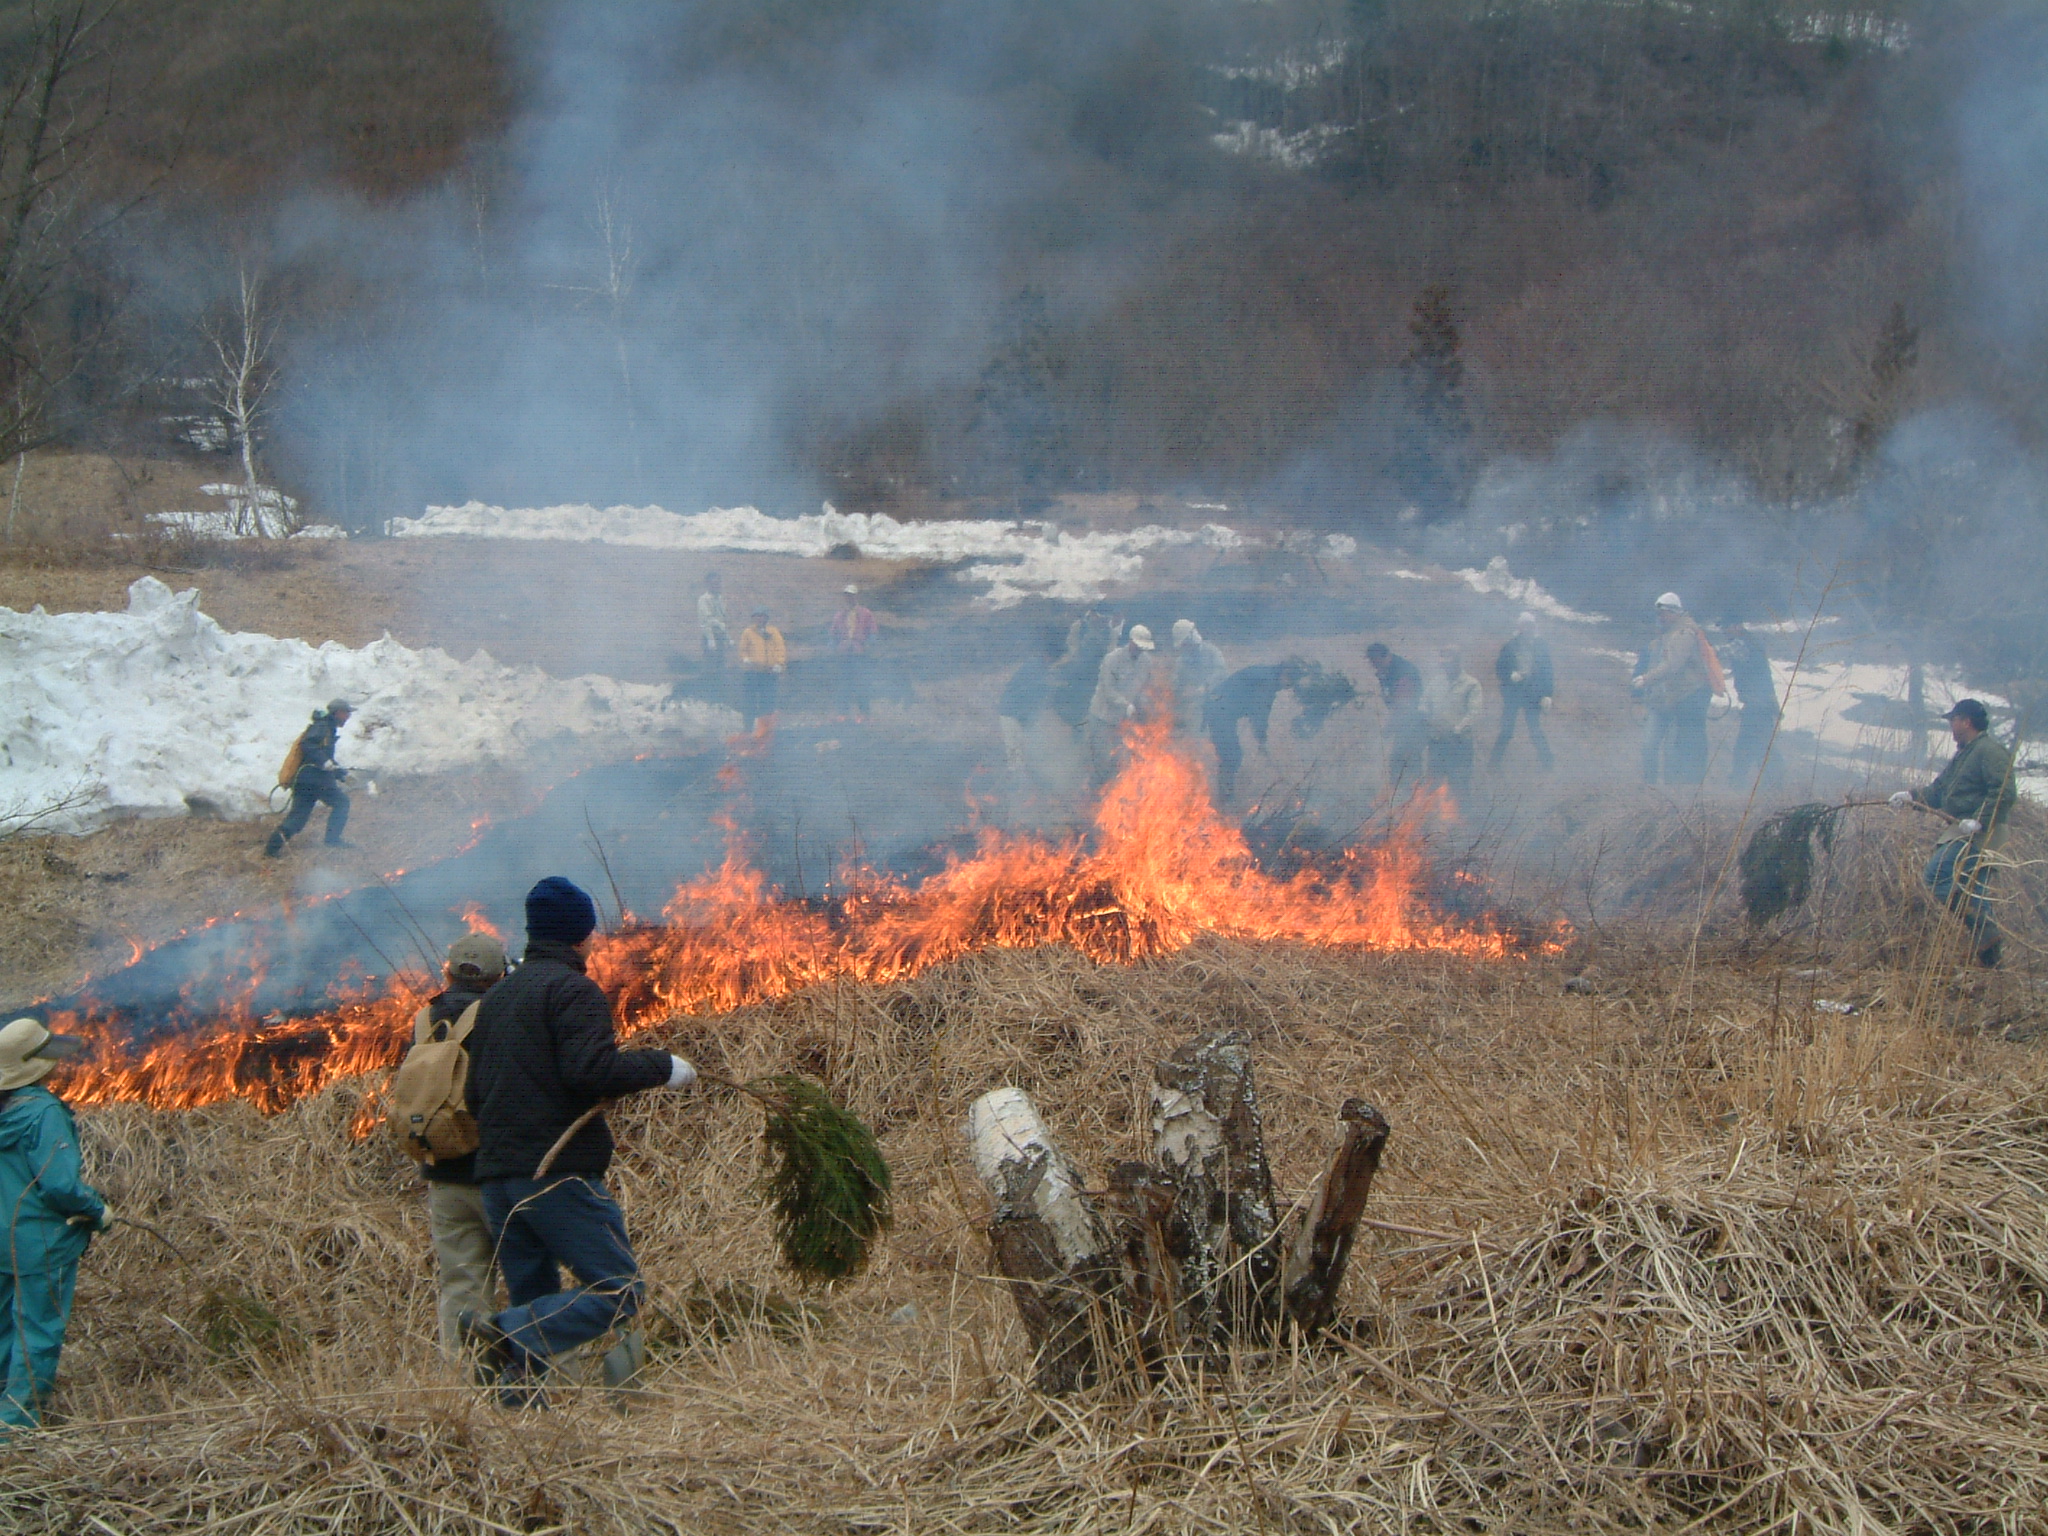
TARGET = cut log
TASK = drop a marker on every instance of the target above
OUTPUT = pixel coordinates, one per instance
(1050, 1244)
(1209, 1145)
(1314, 1271)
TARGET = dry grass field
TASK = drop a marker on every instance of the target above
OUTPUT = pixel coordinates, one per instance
(1685, 1252)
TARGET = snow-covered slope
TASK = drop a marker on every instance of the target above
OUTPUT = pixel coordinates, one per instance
(142, 711)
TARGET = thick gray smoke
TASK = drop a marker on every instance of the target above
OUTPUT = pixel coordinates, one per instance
(718, 237)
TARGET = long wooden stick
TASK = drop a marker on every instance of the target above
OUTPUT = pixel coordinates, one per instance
(602, 1105)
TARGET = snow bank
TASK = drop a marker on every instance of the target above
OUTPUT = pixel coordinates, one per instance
(1498, 581)
(134, 713)
(1014, 559)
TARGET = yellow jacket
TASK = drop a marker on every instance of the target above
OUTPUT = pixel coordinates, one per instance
(763, 652)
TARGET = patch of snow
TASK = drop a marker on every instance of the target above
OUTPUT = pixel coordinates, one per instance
(1016, 559)
(1858, 716)
(226, 525)
(1499, 581)
(252, 512)
(1295, 151)
(146, 708)
(1291, 69)
(209, 434)
(1794, 626)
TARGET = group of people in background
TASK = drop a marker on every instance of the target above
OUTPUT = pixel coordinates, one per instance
(1063, 712)
(761, 654)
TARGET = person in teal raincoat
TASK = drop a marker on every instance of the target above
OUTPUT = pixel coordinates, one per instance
(51, 1214)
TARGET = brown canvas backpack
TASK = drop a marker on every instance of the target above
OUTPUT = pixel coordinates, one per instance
(429, 1114)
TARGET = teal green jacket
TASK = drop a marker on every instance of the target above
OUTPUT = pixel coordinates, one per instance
(42, 1184)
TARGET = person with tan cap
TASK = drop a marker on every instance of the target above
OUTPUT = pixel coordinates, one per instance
(51, 1212)
(1120, 684)
(455, 1200)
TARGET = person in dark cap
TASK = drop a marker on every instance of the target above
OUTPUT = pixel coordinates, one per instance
(318, 779)
(51, 1213)
(542, 1052)
(455, 1201)
(1977, 789)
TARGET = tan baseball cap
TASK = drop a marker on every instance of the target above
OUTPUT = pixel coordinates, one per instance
(476, 959)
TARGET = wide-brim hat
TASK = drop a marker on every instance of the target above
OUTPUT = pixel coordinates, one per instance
(29, 1052)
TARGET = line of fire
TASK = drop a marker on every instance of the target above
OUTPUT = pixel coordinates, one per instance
(1159, 869)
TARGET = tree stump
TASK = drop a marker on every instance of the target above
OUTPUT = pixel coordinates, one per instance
(1181, 1256)
(1050, 1243)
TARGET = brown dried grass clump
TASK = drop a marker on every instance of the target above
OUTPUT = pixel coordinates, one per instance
(1719, 1261)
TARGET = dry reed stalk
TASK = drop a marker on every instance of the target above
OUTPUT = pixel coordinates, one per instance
(1737, 1263)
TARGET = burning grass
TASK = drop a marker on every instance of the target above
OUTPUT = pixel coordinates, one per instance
(1162, 870)
(1710, 1258)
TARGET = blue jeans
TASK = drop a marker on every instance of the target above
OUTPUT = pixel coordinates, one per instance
(311, 789)
(38, 1305)
(539, 1229)
(1956, 877)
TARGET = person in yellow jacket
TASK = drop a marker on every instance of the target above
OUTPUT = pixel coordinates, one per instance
(764, 657)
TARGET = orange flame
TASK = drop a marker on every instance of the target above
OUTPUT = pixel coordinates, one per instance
(1163, 870)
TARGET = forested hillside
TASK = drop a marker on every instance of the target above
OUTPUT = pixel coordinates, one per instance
(904, 249)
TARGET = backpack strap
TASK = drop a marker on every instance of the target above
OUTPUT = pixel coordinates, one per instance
(422, 1025)
(459, 1030)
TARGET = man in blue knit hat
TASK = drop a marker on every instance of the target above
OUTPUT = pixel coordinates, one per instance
(544, 1051)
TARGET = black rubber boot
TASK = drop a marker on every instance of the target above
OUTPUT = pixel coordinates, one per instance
(275, 846)
(1991, 954)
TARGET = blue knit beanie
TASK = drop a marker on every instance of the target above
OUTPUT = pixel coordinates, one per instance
(560, 912)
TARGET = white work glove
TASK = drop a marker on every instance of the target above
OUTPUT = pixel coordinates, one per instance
(1969, 826)
(680, 1073)
(1514, 677)
(1636, 683)
(1546, 702)
(98, 1223)
(1901, 798)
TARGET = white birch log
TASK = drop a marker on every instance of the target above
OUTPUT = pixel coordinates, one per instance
(1049, 1241)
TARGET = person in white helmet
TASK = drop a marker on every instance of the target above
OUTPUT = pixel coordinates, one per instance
(1679, 678)
(1198, 667)
(853, 631)
(1120, 685)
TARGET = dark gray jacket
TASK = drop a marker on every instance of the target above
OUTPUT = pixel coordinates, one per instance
(543, 1051)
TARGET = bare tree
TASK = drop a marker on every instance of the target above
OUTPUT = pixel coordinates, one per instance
(54, 104)
(611, 288)
(242, 337)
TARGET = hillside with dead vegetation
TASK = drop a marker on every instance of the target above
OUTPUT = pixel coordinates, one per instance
(1676, 1248)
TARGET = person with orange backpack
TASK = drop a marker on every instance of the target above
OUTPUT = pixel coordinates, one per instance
(1680, 677)
(313, 776)
(430, 1116)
